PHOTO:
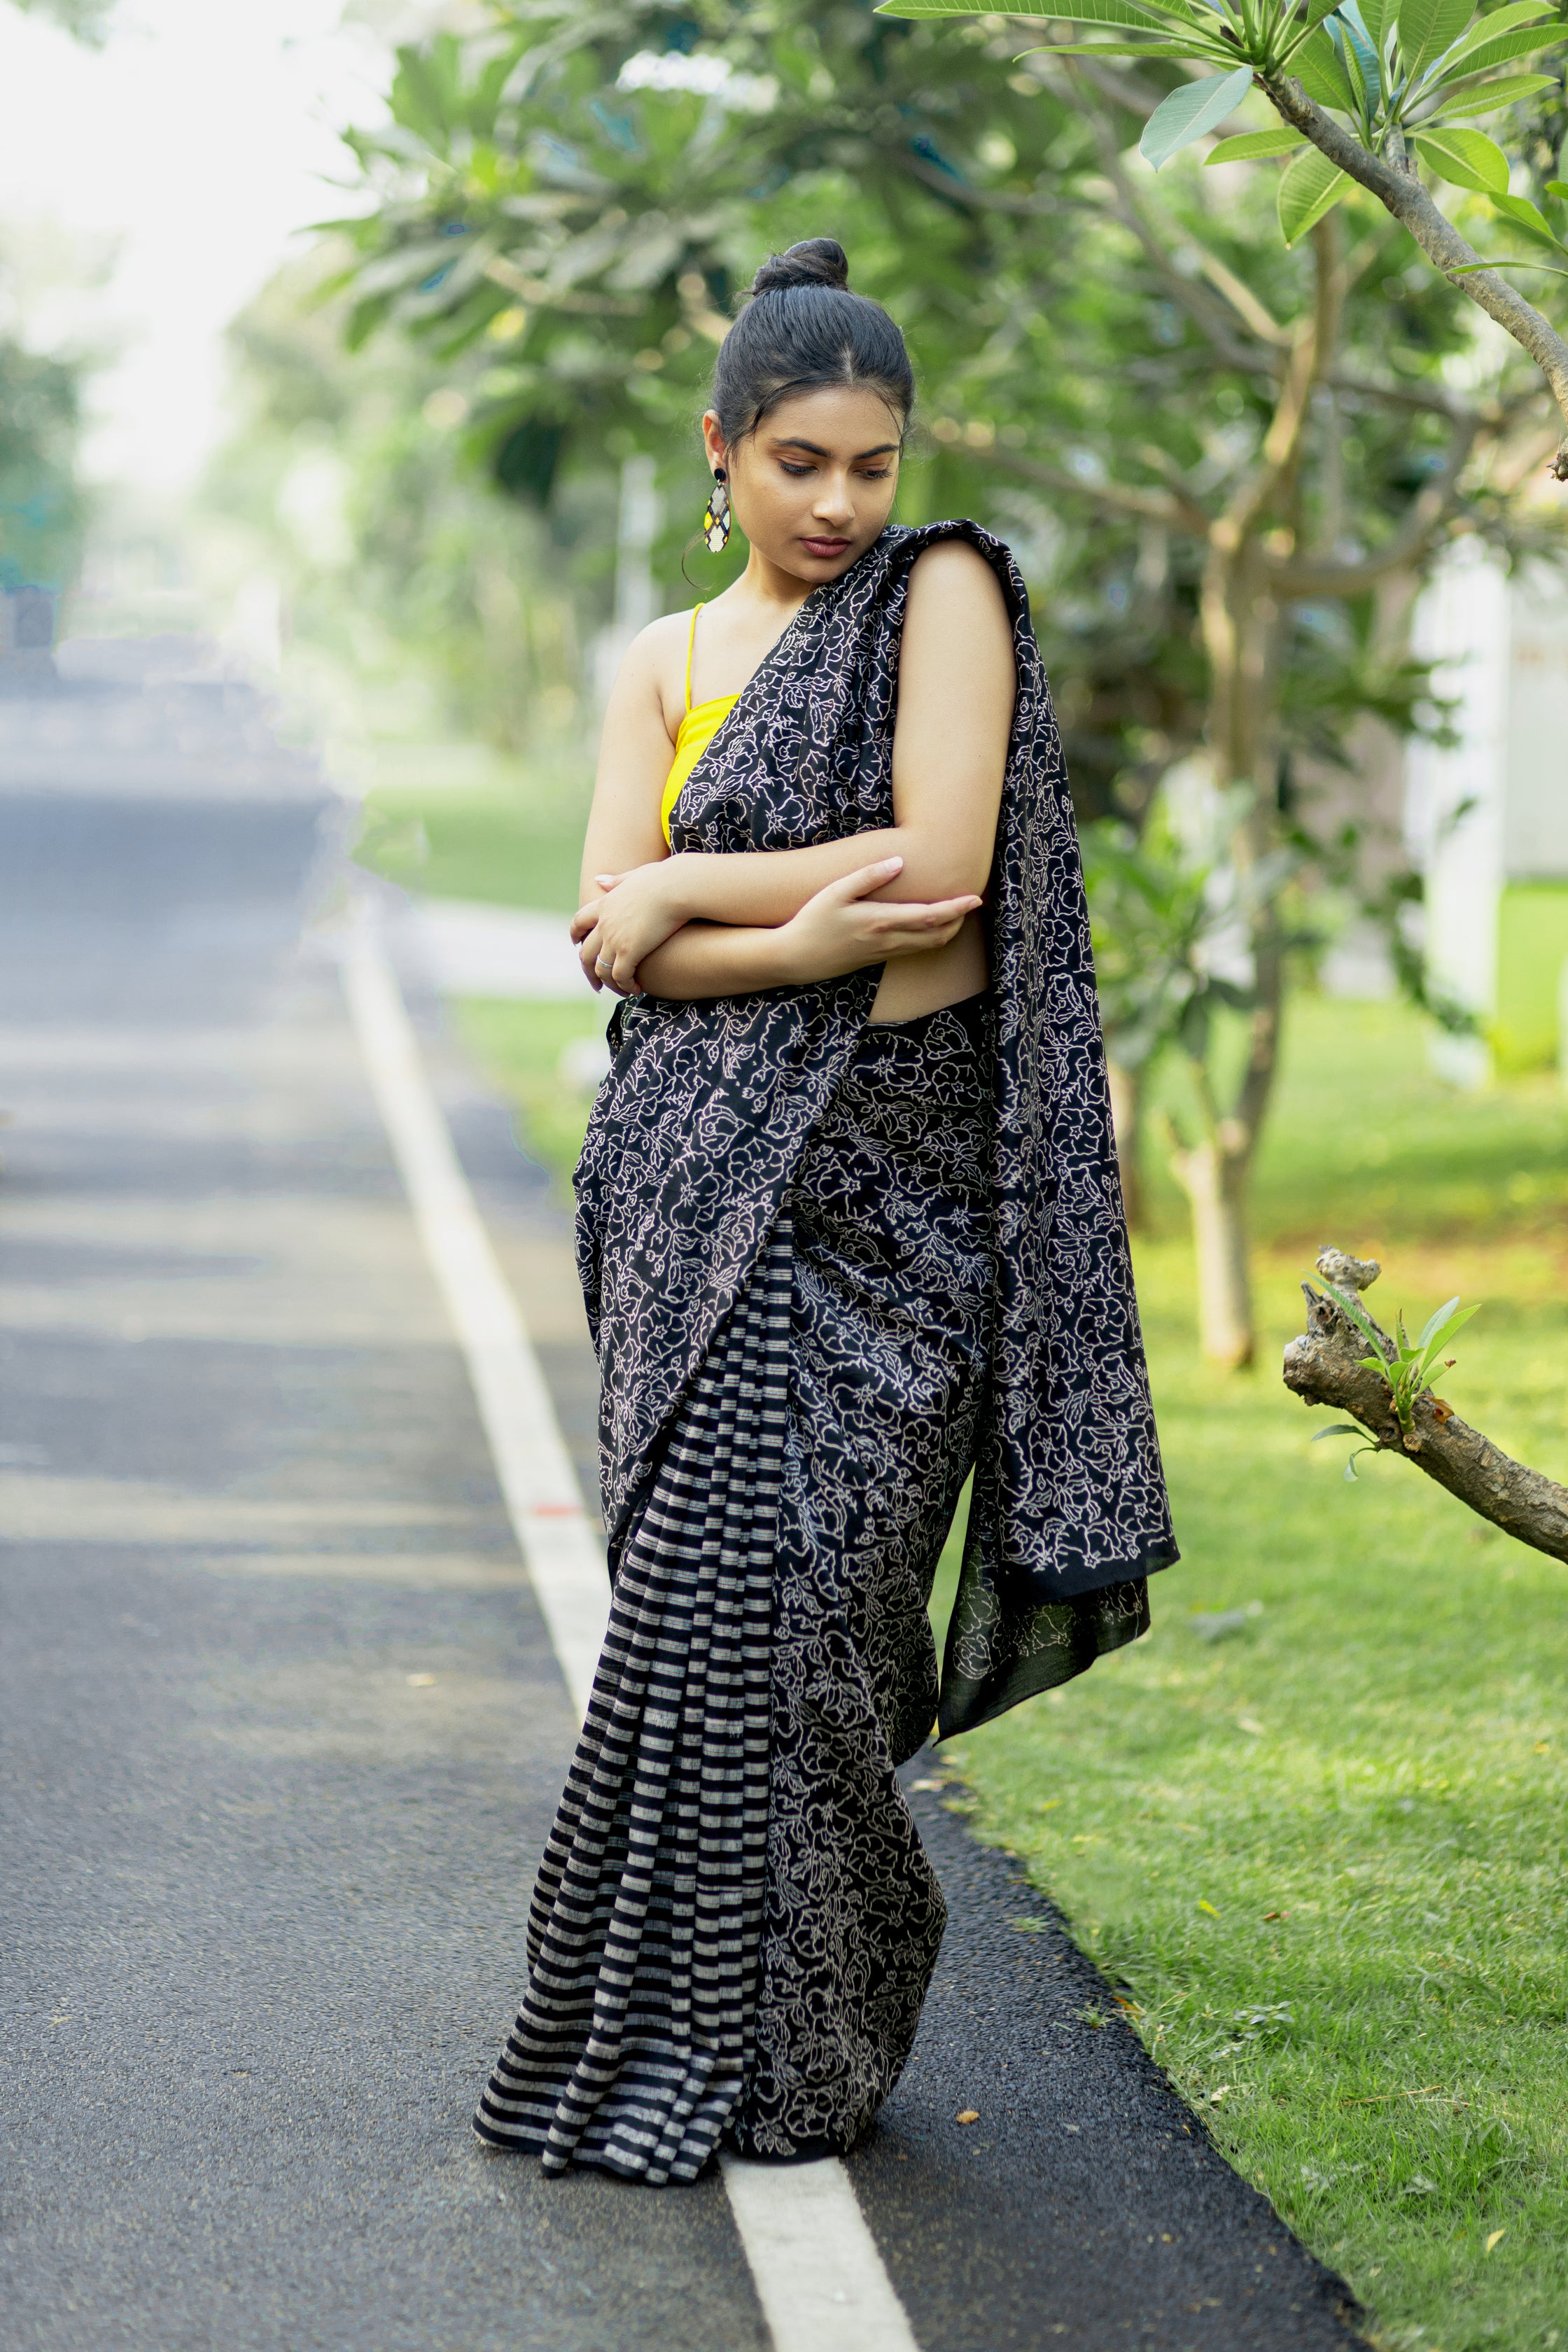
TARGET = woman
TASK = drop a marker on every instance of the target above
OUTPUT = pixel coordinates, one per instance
(849, 1228)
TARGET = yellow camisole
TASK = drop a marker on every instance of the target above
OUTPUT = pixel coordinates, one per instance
(696, 731)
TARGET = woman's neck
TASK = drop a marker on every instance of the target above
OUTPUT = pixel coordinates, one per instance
(769, 588)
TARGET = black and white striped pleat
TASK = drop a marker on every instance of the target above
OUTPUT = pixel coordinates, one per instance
(636, 2030)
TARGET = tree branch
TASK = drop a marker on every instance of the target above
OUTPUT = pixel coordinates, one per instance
(1403, 195)
(1423, 518)
(1408, 395)
(984, 200)
(1242, 300)
(1313, 344)
(1209, 319)
(1170, 506)
(1321, 1367)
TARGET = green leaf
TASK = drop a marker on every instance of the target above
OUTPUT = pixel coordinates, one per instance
(1156, 17)
(1351, 66)
(1493, 27)
(1350, 1305)
(1468, 159)
(1309, 188)
(1435, 1322)
(1501, 49)
(1361, 60)
(1525, 216)
(1189, 112)
(1351, 1478)
(1339, 1429)
(1558, 188)
(1317, 68)
(1429, 27)
(1185, 49)
(1504, 261)
(1446, 1332)
(1250, 144)
(1378, 16)
(1316, 11)
(1488, 97)
(1504, 20)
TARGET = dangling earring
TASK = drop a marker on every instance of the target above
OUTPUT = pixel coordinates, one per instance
(716, 514)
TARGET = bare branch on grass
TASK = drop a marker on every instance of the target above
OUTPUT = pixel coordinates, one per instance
(1323, 1367)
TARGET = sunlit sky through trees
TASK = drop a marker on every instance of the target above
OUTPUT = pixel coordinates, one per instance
(181, 157)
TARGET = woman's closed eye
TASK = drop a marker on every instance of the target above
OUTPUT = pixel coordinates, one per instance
(870, 474)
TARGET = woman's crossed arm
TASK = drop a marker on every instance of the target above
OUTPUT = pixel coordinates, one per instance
(706, 926)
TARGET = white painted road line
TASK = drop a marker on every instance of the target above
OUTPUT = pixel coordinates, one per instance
(565, 1562)
(814, 2264)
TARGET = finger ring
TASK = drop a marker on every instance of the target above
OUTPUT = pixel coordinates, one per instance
(601, 963)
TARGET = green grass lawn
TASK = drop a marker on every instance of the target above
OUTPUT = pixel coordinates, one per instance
(1322, 1857)
(498, 830)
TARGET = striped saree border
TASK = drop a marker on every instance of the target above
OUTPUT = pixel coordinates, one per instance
(631, 2046)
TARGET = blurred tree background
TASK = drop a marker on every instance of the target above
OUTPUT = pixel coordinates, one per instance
(43, 511)
(1226, 465)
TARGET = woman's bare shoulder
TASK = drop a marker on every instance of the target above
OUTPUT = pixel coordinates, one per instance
(957, 625)
(952, 574)
(654, 664)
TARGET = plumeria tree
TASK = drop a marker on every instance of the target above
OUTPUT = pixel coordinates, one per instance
(1366, 91)
(1364, 98)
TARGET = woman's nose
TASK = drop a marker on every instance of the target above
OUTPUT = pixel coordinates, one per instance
(835, 502)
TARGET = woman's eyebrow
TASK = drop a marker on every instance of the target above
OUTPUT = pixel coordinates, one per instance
(883, 449)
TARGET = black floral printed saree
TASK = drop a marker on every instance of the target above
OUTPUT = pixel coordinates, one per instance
(831, 1268)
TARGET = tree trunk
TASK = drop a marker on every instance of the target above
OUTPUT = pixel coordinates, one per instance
(1239, 630)
(1126, 1121)
(1214, 1178)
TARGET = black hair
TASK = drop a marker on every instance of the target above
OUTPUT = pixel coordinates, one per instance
(803, 330)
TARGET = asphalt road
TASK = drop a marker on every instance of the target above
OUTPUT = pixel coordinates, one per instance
(281, 1731)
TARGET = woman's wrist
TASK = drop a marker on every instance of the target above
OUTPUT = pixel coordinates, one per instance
(716, 960)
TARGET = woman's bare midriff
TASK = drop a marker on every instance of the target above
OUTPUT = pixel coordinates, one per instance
(913, 986)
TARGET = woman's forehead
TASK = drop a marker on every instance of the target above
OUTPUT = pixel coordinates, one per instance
(840, 421)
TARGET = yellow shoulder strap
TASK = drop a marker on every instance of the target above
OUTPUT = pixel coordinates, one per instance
(690, 646)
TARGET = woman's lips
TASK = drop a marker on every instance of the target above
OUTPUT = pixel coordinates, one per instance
(825, 546)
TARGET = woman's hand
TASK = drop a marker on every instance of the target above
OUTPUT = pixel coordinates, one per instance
(638, 911)
(841, 929)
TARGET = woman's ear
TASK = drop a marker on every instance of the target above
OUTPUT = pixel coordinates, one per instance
(713, 440)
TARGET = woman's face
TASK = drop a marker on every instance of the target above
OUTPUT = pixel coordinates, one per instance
(812, 487)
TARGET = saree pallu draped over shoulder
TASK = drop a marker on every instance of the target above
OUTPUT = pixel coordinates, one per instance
(831, 1268)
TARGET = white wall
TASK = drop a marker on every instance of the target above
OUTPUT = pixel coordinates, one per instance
(1535, 803)
(1455, 799)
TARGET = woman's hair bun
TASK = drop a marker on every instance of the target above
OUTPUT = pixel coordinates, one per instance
(816, 261)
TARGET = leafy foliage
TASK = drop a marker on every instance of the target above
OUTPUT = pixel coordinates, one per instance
(87, 19)
(1397, 73)
(1162, 913)
(1405, 1367)
(344, 479)
(42, 510)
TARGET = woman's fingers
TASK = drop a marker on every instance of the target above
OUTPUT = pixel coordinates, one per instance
(589, 948)
(861, 883)
(930, 916)
(913, 942)
(590, 911)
